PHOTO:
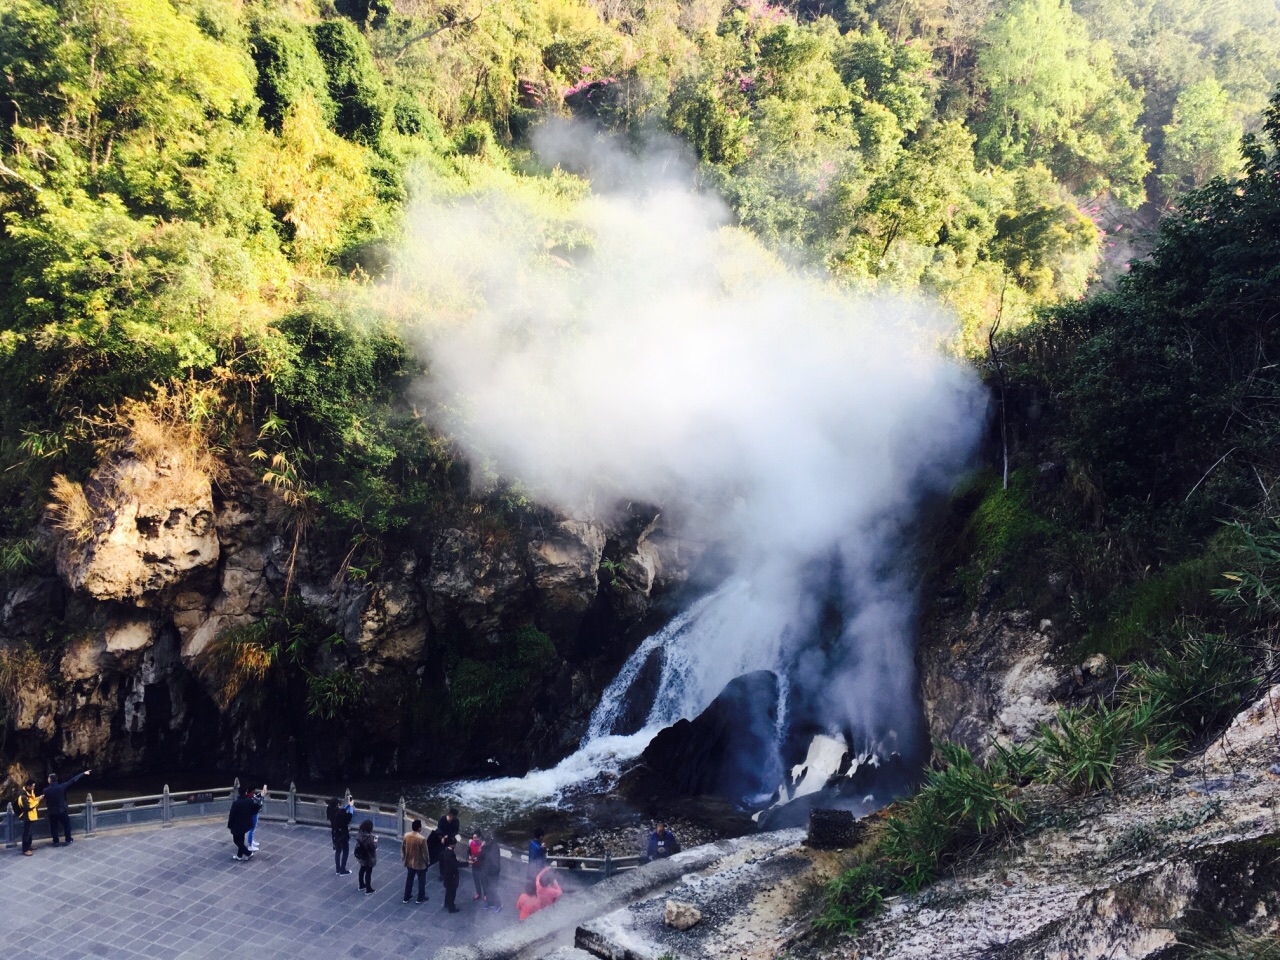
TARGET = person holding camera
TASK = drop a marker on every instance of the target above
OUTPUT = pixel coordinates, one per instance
(259, 798)
(340, 813)
(27, 804)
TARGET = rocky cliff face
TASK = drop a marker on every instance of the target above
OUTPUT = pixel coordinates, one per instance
(120, 643)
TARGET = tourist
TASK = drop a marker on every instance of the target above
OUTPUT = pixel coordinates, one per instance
(435, 843)
(27, 803)
(537, 859)
(449, 825)
(366, 855)
(662, 842)
(55, 805)
(489, 866)
(259, 798)
(240, 822)
(413, 853)
(340, 814)
(546, 891)
(473, 855)
(449, 873)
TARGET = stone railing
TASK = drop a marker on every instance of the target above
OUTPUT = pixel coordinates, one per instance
(281, 806)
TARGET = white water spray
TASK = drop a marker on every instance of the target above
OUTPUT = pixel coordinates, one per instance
(670, 360)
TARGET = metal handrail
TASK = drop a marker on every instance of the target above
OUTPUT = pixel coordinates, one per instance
(288, 806)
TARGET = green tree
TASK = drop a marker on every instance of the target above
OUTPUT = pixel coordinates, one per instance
(355, 85)
(1200, 142)
(1053, 95)
(288, 69)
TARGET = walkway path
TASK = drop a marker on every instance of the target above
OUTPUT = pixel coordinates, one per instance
(177, 893)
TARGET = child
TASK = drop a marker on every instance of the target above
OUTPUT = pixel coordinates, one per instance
(366, 855)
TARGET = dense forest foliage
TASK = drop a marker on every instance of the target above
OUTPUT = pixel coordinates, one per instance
(201, 192)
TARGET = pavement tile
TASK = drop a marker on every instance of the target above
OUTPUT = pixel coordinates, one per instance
(164, 893)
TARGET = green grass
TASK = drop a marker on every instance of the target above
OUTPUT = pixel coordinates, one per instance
(1003, 532)
(1139, 614)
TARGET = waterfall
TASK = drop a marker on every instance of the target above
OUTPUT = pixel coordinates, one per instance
(727, 633)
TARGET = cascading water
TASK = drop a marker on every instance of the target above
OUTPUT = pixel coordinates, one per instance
(694, 669)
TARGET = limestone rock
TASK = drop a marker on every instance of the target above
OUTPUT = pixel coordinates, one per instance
(472, 582)
(681, 915)
(990, 679)
(29, 604)
(129, 636)
(388, 621)
(150, 533)
(565, 564)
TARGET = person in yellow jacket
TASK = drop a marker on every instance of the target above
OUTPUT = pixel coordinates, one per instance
(27, 813)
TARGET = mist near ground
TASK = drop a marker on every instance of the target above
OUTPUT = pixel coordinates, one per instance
(642, 348)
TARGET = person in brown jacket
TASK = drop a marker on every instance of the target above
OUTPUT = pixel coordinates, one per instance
(413, 851)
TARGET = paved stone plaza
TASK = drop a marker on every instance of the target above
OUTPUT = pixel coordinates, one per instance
(176, 892)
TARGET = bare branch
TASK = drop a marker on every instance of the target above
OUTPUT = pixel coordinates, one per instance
(428, 34)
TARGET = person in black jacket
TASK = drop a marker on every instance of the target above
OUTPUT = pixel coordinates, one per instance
(449, 825)
(449, 873)
(240, 822)
(489, 864)
(55, 804)
(435, 843)
(366, 855)
(340, 814)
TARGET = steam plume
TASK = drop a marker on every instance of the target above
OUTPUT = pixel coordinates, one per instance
(670, 359)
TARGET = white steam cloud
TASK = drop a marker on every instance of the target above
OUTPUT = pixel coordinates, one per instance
(669, 359)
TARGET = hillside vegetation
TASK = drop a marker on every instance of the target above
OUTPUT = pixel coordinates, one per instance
(199, 191)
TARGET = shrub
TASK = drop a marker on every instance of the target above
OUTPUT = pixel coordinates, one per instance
(478, 688)
(289, 68)
(243, 660)
(476, 140)
(330, 695)
(959, 803)
(853, 898)
(354, 82)
(1142, 611)
(1082, 748)
(1194, 686)
(1254, 588)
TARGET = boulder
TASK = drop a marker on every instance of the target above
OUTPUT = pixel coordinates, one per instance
(565, 564)
(729, 750)
(681, 915)
(151, 531)
(472, 583)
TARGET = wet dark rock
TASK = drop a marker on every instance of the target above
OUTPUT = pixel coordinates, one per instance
(638, 698)
(728, 750)
(833, 829)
